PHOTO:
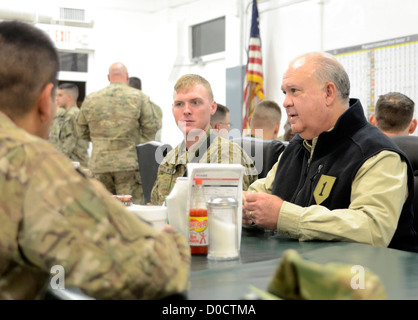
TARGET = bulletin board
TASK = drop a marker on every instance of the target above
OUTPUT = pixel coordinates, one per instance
(381, 67)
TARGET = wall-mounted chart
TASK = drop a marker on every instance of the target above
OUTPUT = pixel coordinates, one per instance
(381, 67)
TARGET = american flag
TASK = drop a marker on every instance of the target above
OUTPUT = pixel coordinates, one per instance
(253, 90)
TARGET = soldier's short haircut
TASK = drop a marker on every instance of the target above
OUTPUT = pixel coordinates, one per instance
(187, 82)
(267, 113)
(394, 112)
(28, 62)
(219, 115)
(70, 88)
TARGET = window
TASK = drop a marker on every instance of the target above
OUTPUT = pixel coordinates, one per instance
(208, 37)
(75, 62)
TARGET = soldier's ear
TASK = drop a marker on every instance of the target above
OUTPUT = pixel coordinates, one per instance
(372, 120)
(276, 129)
(45, 104)
(214, 106)
(413, 126)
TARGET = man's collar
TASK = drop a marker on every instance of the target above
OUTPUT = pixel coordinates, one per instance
(186, 155)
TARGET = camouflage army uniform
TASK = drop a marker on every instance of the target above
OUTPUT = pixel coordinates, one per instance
(55, 127)
(220, 150)
(299, 279)
(66, 137)
(159, 116)
(50, 214)
(116, 119)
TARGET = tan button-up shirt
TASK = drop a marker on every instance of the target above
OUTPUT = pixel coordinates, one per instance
(379, 191)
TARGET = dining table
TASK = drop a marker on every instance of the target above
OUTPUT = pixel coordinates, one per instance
(260, 254)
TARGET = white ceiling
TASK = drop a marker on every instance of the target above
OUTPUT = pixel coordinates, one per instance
(147, 6)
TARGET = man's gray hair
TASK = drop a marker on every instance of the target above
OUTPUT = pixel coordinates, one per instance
(330, 70)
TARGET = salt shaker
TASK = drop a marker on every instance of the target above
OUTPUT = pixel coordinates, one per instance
(223, 228)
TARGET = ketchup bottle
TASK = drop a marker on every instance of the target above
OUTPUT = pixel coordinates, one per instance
(198, 221)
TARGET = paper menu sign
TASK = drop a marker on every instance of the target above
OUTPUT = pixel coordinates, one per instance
(218, 180)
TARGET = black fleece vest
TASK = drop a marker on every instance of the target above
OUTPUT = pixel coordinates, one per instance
(337, 157)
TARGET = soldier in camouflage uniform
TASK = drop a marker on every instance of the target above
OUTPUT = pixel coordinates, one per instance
(116, 119)
(51, 214)
(55, 127)
(64, 136)
(192, 109)
(136, 83)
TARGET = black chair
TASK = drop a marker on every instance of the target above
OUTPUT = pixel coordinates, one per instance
(409, 145)
(264, 153)
(150, 155)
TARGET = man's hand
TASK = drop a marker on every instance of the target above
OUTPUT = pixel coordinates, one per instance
(261, 208)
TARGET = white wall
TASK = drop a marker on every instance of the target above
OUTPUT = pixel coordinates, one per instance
(152, 43)
(287, 32)
(174, 51)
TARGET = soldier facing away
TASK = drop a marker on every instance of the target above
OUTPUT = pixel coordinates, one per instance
(116, 119)
(50, 213)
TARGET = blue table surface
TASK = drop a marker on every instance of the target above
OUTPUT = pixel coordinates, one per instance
(260, 255)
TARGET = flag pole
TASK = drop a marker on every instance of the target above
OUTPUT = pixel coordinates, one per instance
(253, 88)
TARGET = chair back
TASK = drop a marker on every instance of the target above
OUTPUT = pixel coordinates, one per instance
(264, 153)
(150, 154)
(409, 145)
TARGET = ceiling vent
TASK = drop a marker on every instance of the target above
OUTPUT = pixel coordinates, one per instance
(72, 14)
(73, 17)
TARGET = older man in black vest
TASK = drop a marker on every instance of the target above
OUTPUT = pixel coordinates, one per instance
(340, 178)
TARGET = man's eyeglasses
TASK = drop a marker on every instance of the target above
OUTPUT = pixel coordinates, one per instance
(228, 124)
